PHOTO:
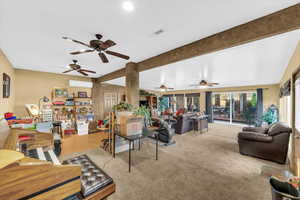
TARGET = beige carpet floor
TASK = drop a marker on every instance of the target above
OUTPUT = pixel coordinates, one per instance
(199, 167)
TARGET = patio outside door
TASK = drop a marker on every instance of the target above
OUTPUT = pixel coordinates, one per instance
(235, 107)
(221, 106)
(244, 107)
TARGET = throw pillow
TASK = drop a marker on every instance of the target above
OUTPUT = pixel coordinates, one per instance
(277, 128)
(284, 187)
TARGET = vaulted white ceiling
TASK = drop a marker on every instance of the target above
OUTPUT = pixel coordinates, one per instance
(31, 31)
(257, 63)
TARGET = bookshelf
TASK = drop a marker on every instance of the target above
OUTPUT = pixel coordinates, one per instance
(72, 109)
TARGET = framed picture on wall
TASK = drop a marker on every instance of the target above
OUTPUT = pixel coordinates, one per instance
(61, 92)
(82, 94)
(6, 86)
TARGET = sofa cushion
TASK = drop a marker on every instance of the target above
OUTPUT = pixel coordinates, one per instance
(263, 130)
(278, 128)
(253, 136)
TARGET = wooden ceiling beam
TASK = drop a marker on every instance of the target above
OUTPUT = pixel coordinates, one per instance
(113, 75)
(276, 23)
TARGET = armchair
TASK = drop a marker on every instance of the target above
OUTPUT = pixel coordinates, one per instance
(166, 132)
(270, 143)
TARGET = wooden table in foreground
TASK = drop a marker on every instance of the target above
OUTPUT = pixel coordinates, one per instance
(34, 179)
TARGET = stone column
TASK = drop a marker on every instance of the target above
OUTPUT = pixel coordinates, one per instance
(97, 98)
(132, 84)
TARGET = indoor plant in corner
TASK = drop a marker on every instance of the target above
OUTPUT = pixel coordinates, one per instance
(271, 115)
(144, 112)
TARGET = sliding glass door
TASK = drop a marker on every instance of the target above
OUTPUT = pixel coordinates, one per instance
(237, 107)
(221, 106)
(244, 107)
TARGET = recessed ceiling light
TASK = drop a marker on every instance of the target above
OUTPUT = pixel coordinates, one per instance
(128, 6)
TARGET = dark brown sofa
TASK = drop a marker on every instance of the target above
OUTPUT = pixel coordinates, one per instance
(269, 143)
(184, 123)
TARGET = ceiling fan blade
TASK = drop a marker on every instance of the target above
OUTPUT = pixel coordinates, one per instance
(194, 85)
(170, 88)
(81, 72)
(211, 84)
(103, 57)
(82, 51)
(117, 54)
(109, 43)
(85, 70)
(68, 70)
(70, 39)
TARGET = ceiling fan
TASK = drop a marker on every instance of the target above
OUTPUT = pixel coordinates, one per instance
(164, 87)
(205, 83)
(99, 46)
(75, 67)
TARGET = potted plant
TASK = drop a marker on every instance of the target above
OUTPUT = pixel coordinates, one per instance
(122, 109)
(271, 115)
(123, 106)
(145, 112)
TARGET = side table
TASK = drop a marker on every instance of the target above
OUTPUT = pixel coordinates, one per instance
(132, 138)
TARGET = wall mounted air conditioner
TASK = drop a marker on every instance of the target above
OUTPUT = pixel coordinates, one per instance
(83, 84)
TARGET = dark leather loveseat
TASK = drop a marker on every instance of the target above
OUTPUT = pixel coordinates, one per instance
(269, 143)
(184, 123)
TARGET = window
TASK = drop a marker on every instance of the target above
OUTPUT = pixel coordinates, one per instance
(285, 109)
(179, 102)
(239, 107)
(192, 103)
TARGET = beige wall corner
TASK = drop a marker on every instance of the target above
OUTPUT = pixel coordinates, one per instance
(6, 104)
(293, 65)
(271, 96)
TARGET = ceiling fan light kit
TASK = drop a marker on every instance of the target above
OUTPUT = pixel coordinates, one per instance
(75, 67)
(95, 45)
(99, 46)
(204, 84)
(164, 88)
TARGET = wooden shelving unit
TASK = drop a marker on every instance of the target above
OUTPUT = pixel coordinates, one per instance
(82, 106)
